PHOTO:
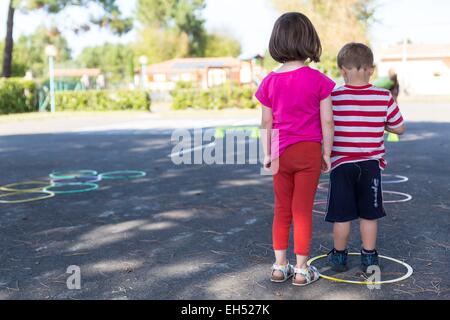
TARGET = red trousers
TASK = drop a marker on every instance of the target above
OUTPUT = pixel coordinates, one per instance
(295, 187)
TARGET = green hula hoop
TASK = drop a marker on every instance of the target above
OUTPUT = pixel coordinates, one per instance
(89, 187)
(122, 175)
(72, 174)
(13, 186)
(86, 179)
(402, 278)
(47, 195)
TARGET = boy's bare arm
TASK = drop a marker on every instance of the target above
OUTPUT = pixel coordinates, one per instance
(399, 130)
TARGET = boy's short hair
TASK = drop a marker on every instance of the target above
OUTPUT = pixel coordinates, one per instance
(355, 55)
(294, 38)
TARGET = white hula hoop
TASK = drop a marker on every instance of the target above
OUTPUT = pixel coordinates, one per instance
(401, 179)
(407, 198)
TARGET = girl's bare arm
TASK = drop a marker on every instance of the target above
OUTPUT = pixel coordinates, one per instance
(326, 118)
(267, 125)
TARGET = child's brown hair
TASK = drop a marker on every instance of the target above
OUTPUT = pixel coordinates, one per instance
(294, 38)
(355, 55)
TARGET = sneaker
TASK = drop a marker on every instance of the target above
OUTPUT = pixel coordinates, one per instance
(338, 260)
(369, 259)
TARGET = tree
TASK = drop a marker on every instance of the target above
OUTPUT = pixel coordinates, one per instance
(160, 45)
(337, 22)
(182, 16)
(113, 59)
(222, 45)
(30, 51)
(110, 18)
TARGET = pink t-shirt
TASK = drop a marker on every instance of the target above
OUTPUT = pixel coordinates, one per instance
(294, 98)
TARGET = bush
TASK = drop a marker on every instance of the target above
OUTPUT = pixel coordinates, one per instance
(102, 100)
(17, 96)
(217, 98)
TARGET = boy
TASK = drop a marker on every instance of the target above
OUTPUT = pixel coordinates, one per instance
(361, 113)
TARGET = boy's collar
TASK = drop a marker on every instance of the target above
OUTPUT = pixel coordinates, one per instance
(367, 86)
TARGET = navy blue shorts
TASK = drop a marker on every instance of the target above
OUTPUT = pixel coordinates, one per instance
(355, 192)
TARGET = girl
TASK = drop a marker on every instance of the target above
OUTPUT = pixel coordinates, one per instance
(297, 117)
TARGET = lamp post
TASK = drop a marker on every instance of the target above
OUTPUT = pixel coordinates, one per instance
(143, 60)
(51, 52)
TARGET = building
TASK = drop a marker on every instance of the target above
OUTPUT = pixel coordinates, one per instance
(202, 72)
(85, 79)
(423, 69)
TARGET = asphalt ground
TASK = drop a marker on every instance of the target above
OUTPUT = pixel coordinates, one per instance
(202, 231)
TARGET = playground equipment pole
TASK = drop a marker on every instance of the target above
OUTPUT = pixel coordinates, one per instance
(51, 53)
(143, 60)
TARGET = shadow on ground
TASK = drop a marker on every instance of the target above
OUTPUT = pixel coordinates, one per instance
(197, 232)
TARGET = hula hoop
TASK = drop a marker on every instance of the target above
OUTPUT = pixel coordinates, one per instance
(323, 186)
(407, 198)
(48, 195)
(87, 179)
(317, 203)
(12, 187)
(72, 174)
(408, 274)
(401, 179)
(90, 187)
(122, 175)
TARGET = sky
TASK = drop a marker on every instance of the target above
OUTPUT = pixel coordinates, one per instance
(251, 22)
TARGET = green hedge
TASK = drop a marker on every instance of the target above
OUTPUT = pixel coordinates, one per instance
(226, 96)
(17, 96)
(102, 100)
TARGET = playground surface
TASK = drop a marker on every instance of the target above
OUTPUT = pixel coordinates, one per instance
(199, 231)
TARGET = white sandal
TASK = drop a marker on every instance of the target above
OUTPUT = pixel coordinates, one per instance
(287, 270)
(311, 275)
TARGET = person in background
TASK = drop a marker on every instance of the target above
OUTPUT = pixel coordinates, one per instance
(395, 89)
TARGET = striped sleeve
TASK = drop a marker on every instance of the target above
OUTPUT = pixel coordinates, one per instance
(394, 116)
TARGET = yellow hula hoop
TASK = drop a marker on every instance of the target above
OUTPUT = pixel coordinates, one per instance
(11, 187)
(404, 277)
(47, 196)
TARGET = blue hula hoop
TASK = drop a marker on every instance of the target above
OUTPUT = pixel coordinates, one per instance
(122, 175)
(90, 187)
(72, 174)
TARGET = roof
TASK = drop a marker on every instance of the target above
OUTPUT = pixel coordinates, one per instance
(416, 51)
(193, 64)
(77, 72)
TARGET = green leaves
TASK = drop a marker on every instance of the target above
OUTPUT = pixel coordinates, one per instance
(113, 59)
(17, 96)
(29, 50)
(184, 16)
(109, 18)
(103, 100)
(216, 98)
(222, 45)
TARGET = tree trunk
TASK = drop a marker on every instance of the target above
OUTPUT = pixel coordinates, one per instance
(9, 42)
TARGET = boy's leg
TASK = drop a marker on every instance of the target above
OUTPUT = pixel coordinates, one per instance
(370, 202)
(341, 232)
(342, 209)
(369, 231)
(370, 207)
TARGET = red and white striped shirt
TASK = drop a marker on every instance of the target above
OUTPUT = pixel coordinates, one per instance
(360, 117)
